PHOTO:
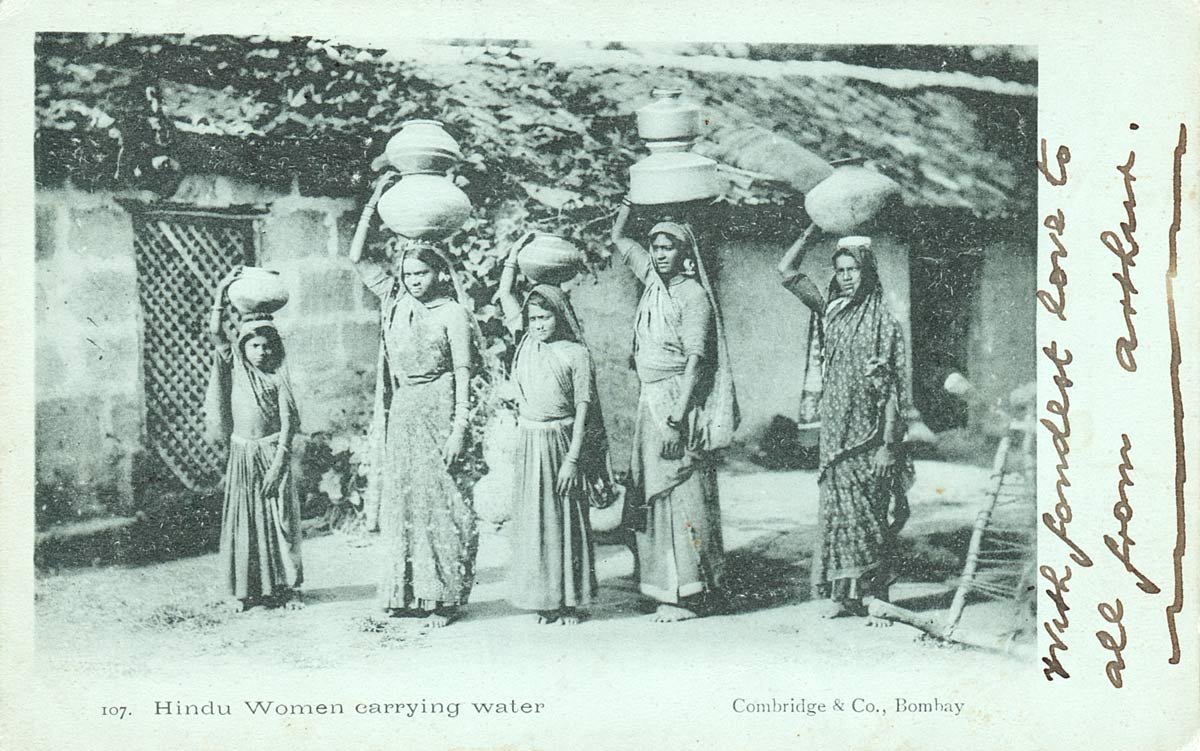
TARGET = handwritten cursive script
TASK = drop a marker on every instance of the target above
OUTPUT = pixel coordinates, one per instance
(1057, 626)
(1060, 433)
(1113, 614)
(1056, 301)
(1123, 513)
(1126, 249)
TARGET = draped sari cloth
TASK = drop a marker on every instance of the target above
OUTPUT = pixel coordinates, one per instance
(680, 547)
(423, 508)
(856, 374)
(553, 557)
(260, 533)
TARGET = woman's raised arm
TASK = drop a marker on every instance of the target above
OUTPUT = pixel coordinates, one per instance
(632, 253)
(508, 278)
(794, 280)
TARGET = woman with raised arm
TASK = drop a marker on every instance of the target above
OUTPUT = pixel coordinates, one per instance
(855, 385)
(561, 459)
(429, 345)
(686, 409)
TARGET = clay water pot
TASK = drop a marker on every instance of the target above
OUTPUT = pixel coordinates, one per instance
(549, 259)
(422, 147)
(424, 207)
(672, 174)
(258, 292)
(669, 117)
(849, 198)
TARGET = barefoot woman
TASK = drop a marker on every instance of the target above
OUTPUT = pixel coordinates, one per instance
(422, 389)
(854, 383)
(686, 409)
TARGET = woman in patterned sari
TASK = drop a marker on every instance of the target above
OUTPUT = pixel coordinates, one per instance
(429, 344)
(855, 383)
(687, 409)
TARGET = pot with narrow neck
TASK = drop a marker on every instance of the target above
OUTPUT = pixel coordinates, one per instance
(669, 117)
(672, 174)
(422, 147)
(424, 207)
(258, 292)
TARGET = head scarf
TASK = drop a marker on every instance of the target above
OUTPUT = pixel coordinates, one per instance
(857, 333)
(594, 462)
(265, 386)
(719, 414)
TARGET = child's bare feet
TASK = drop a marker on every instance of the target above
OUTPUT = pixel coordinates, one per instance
(546, 617)
(672, 614)
(293, 601)
(234, 605)
(834, 609)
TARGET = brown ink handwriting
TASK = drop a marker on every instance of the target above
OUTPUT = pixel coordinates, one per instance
(1056, 303)
(1176, 606)
(1056, 627)
(1123, 513)
(1127, 251)
(1062, 155)
(1113, 614)
(1060, 432)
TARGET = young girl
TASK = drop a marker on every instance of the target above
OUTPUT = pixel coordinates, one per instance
(250, 405)
(561, 454)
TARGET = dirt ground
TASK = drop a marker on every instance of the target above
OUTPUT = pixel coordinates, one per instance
(161, 617)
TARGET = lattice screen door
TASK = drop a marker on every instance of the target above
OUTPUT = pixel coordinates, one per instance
(181, 255)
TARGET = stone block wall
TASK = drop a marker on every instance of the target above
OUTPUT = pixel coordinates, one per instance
(90, 399)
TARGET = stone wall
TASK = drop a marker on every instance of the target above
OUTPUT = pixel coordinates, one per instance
(90, 411)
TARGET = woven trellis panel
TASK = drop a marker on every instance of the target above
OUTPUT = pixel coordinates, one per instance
(180, 260)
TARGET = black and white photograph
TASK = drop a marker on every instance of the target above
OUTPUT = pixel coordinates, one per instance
(483, 391)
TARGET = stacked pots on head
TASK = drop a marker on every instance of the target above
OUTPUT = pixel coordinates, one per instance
(425, 204)
(671, 174)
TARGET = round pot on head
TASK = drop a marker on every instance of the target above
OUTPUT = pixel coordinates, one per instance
(669, 117)
(258, 292)
(849, 198)
(672, 174)
(428, 207)
(422, 147)
(549, 259)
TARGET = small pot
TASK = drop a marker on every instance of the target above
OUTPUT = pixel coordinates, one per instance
(669, 117)
(422, 147)
(672, 174)
(424, 207)
(549, 259)
(849, 198)
(258, 292)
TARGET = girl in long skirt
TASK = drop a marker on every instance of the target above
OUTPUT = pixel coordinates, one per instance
(561, 454)
(429, 344)
(250, 405)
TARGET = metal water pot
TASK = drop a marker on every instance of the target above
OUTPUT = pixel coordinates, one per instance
(422, 147)
(549, 259)
(669, 117)
(672, 174)
(422, 206)
(258, 292)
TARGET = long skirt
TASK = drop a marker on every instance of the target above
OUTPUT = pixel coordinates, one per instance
(681, 551)
(854, 550)
(553, 558)
(425, 519)
(260, 536)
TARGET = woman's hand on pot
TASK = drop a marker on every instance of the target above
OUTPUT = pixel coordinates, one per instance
(521, 242)
(568, 477)
(381, 184)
